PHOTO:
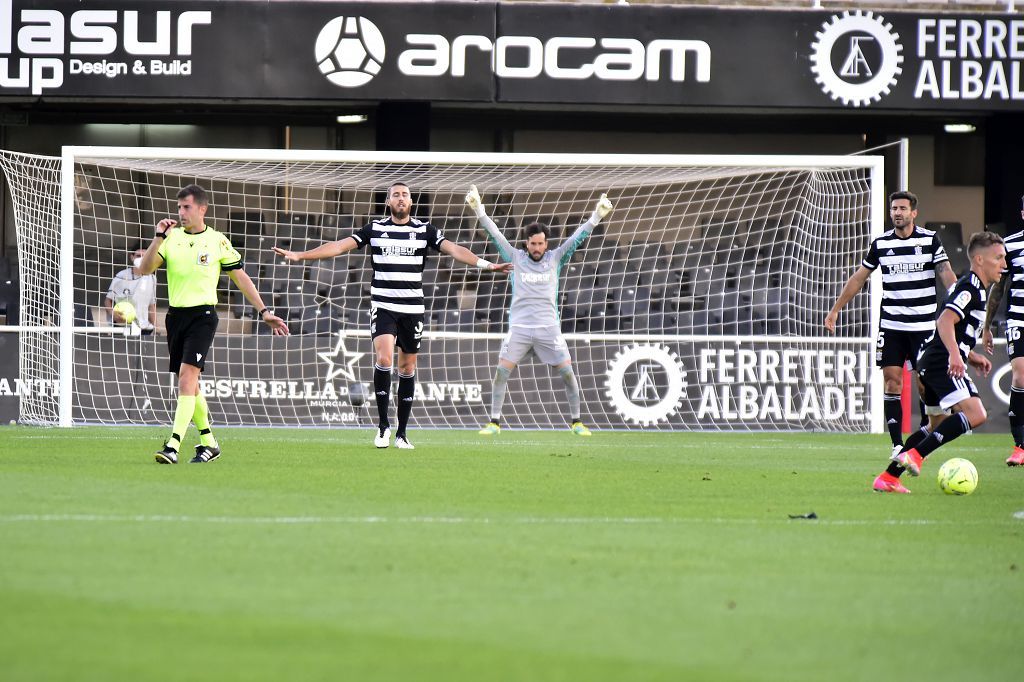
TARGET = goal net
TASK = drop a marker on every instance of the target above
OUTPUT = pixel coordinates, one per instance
(697, 304)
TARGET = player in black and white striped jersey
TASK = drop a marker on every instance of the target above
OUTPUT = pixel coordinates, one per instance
(944, 359)
(909, 258)
(1013, 280)
(399, 245)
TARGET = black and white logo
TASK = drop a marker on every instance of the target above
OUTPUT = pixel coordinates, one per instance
(350, 51)
(856, 57)
(645, 383)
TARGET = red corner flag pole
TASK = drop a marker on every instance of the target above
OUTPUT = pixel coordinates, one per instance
(908, 403)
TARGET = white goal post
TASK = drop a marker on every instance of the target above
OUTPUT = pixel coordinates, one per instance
(696, 305)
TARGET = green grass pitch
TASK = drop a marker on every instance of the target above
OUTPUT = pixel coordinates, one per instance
(310, 555)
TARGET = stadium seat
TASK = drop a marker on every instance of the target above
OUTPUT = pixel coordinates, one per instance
(950, 234)
(958, 259)
(329, 274)
(316, 320)
(283, 273)
(335, 227)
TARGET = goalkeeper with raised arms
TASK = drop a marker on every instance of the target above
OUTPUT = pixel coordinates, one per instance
(534, 323)
(195, 255)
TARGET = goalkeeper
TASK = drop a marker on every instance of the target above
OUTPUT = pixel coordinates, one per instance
(533, 316)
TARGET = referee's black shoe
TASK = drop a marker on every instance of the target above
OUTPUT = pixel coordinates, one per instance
(166, 455)
(205, 454)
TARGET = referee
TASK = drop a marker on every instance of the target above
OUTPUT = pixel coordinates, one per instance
(195, 256)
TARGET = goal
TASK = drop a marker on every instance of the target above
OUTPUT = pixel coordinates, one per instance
(696, 305)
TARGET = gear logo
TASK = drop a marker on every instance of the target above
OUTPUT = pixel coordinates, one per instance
(350, 51)
(643, 403)
(869, 58)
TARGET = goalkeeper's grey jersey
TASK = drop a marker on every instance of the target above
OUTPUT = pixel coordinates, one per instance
(535, 283)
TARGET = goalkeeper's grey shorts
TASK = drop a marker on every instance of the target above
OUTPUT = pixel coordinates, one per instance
(547, 343)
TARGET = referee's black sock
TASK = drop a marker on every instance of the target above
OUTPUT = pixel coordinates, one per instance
(893, 410)
(406, 391)
(951, 428)
(1017, 415)
(382, 389)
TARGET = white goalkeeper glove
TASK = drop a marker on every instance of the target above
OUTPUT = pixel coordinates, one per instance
(474, 201)
(603, 208)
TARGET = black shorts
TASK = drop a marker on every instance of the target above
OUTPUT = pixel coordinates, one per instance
(895, 347)
(406, 328)
(190, 334)
(1014, 342)
(940, 389)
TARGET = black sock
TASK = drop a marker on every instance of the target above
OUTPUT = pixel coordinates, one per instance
(406, 391)
(1017, 415)
(924, 415)
(914, 439)
(950, 429)
(382, 389)
(893, 405)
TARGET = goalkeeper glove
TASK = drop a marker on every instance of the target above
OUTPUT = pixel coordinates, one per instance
(473, 199)
(603, 208)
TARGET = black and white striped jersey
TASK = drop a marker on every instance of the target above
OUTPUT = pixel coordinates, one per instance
(1015, 286)
(908, 278)
(398, 253)
(967, 299)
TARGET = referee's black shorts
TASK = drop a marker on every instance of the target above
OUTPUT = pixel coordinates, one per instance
(190, 334)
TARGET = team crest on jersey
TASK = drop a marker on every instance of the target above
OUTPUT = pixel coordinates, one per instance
(918, 251)
(203, 259)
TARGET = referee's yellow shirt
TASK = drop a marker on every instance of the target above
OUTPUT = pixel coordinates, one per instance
(194, 262)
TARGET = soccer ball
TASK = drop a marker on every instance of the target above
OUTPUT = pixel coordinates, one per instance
(958, 476)
(349, 51)
(126, 310)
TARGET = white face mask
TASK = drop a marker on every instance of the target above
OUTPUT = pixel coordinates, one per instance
(137, 263)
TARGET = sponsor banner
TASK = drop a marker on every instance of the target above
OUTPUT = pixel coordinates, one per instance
(326, 381)
(509, 53)
(10, 386)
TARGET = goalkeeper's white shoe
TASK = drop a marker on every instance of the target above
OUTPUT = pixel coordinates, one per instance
(402, 443)
(382, 438)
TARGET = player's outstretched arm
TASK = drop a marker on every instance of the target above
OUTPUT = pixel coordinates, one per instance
(568, 247)
(245, 285)
(601, 209)
(856, 282)
(328, 250)
(476, 204)
(464, 255)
